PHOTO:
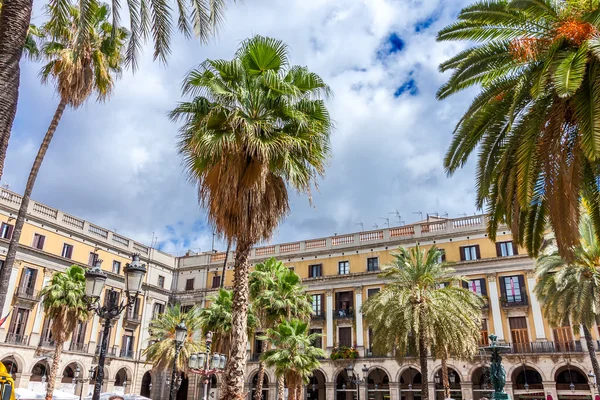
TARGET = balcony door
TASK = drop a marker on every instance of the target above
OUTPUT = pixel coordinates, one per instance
(28, 278)
(345, 336)
(18, 323)
(519, 334)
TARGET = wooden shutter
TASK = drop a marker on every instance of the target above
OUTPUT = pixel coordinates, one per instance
(443, 255)
(41, 242)
(465, 285)
(522, 285)
(31, 283)
(498, 250)
(515, 248)
(345, 336)
(462, 253)
(483, 287)
(13, 321)
(336, 306)
(322, 303)
(10, 232)
(502, 286)
(477, 251)
(310, 271)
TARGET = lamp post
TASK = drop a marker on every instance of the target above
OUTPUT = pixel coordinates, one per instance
(592, 378)
(80, 380)
(207, 365)
(353, 378)
(95, 279)
(180, 336)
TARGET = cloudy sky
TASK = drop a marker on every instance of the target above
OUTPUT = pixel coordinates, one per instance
(115, 164)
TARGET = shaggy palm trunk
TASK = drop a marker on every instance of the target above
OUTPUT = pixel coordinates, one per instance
(22, 215)
(225, 264)
(236, 367)
(54, 369)
(14, 24)
(423, 357)
(261, 374)
(592, 351)
(445, 381)
(281, 388)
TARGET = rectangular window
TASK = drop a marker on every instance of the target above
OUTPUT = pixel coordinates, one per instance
(6, 231)
(28, 278)
(189, 284)
(157, 310)
(18, 323)
(513, 288)
(216, 281)
(372, 292)
(345, 336)
(127, 344)
(79, 333)
(373, 264)
(47, 331)
(483, 340)
(441, 285)
(186, 308)
(318, 341)
(92, 258)
(506, 249)
(343, 267)
(38, 241)
(258, 344)
(519, 334)
(116, 267)
(317, 304)
(344, 302)
(442, 256)
(476, 286)
(111, 297)
(470, 253)
(315, 270)
(161, 281)
(67, 251)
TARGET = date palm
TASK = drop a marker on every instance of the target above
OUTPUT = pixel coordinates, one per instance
(293, 355)
(536, 119)
(63, 302)
(570, 291)
(277, 295)
(147, 18)
(254, 126)
(77, 70)
(421, 300)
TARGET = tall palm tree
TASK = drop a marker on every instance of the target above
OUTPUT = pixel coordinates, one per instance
(255, 126)
(63, 302)
(277, 294)
(147, 18)
(77, 70)
(536, 118)
(570, 291)
(421, 299)
(294, 357)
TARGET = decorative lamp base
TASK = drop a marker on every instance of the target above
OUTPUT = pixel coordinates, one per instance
(500, 396)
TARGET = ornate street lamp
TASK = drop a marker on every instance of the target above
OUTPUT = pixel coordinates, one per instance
(353, 378)
(592, 378)
(95, 279)
(180, 336)
(206, 364)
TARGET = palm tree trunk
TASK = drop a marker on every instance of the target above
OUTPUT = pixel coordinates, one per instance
(592, 351)
(261, 373)
(225, 264)
(22, 215)
(54, 369)
(445, 381)
(236, 367)
(281, 388)
(14, 24)
(423, 357)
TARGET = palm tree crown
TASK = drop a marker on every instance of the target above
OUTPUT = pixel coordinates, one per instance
(536, 118)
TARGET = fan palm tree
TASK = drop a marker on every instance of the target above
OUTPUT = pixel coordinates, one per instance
(422, 300)
(536, 119)
(255, 126)
(77, 70)
(277, 294)
(63, 302)
(161, 351)
(147, 18)
(570, 291)
(294, 357)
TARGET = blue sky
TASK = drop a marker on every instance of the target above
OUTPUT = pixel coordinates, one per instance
(115, 163)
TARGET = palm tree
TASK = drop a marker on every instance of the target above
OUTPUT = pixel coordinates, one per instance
(570, 291)
(277, 294)
(255, 126)
(147, 18)
(294, 357)
(77, 70)
(420, 302)
(535, 119)
(63, 301)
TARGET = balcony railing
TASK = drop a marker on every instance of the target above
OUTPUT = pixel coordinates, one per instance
(318, 317)
(49, 343)
(111, 351)
(567, 386)
(514, 301)
(14, 338)
(127, 353)
(27, 293)
(343, 313)
(79, 347)
(546, 347)
(132, 318)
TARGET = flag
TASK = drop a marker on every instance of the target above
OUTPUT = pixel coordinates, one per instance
(6, 317)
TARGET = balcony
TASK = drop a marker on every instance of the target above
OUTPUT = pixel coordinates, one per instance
(79, 347)
(127, 353)
(111, 351)
(132, 318)
(27, 294)
(47, 343)
(318, 317)
(14, 338)
(254, 357)
(514, 301)
(343, 313)
(546, 347)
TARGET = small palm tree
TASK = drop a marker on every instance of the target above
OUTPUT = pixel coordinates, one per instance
(294, 357)
(535, 121)
(277, 294)
(570, 291)
(161, 351)
(77, 69)
(254, 127)
(63, 302)
(422, 300)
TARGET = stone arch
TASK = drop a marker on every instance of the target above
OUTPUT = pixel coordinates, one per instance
(481, 383)
(452, 367)
(384, 369)
(526, 377)
(454, 380)
(571, 374)
(123, 375)
(69, 371)
(559, 366)
(515, 369)
(146, 384)
(39, 370)
(322, 371)
(107, 374)
(378, 383)
(268, 374)
(266, 381)
(18, 362)
(406, 367)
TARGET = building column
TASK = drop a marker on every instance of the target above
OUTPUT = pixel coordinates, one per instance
(495, 305)
(330, 390)
(23, 380)
(467, 390)
(329, 316)
(145, 328)
(118, 324)
(12, 284)
(394, 391)
(509, 390)
(359, 317)
(536, 310)
(39, 313)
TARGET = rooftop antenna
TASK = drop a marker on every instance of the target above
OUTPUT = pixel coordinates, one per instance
(213, 241)
(463, 214)
(6, 186)
(387, 221)
(445, 215)
(375, 226)
(397, 214)
(420, 214)
(362, 226)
